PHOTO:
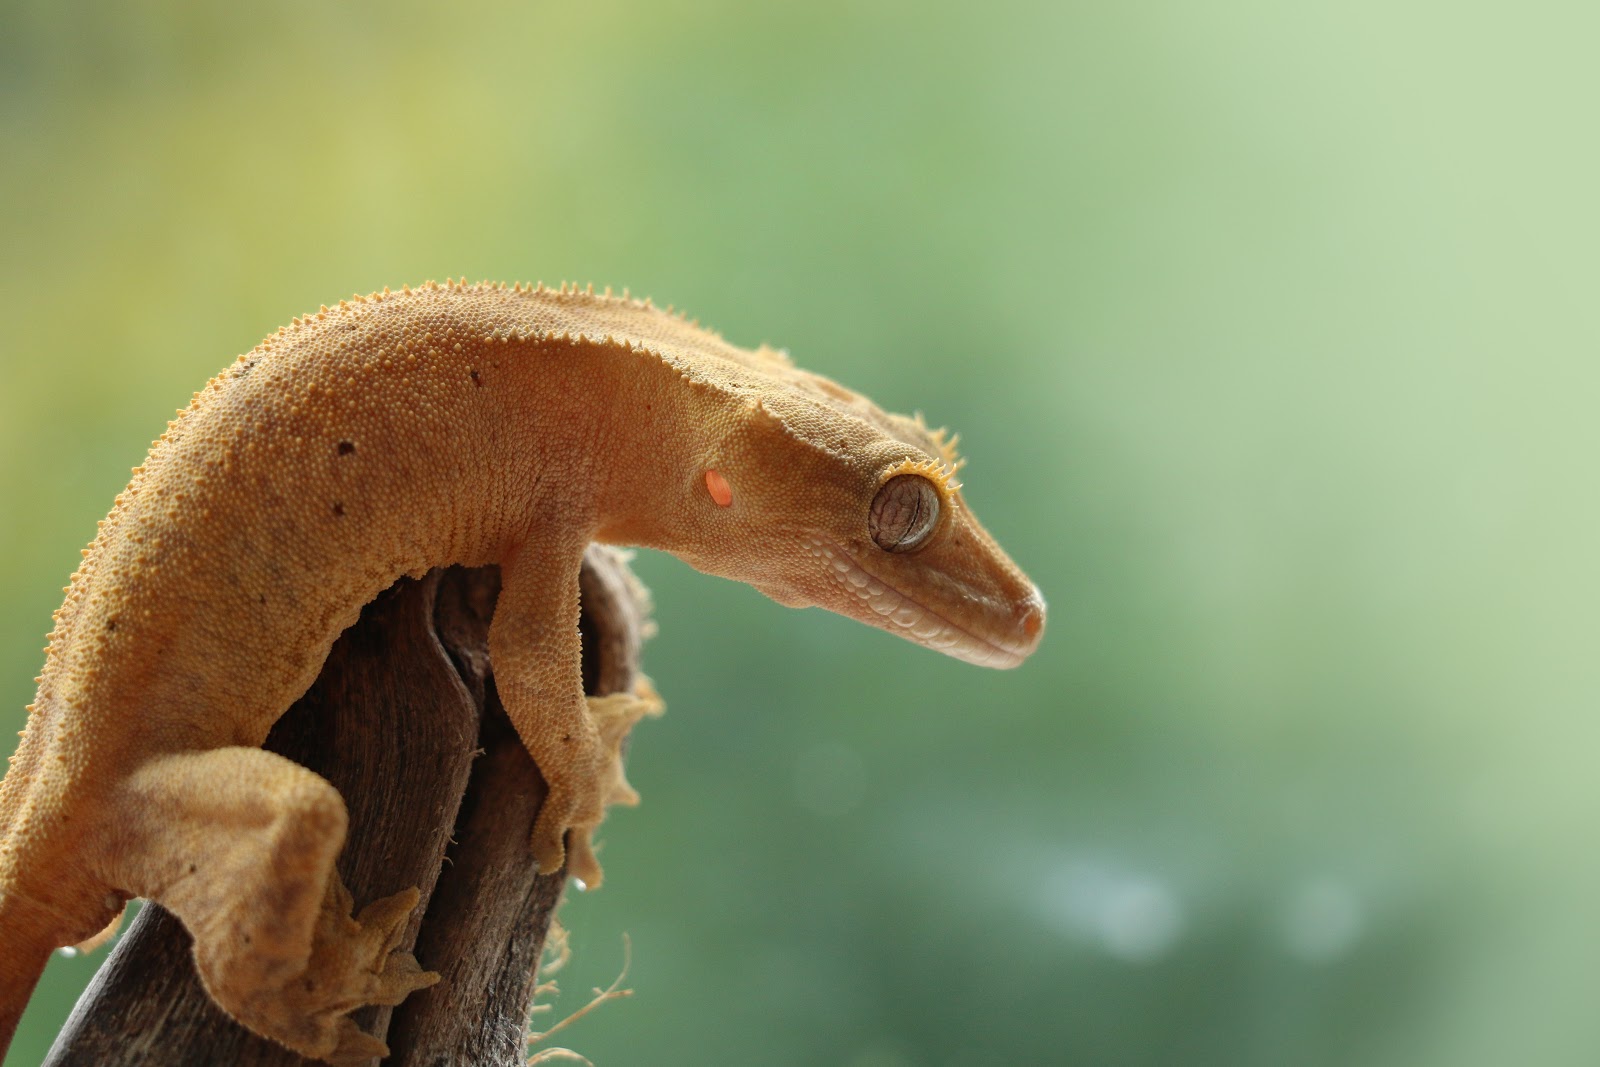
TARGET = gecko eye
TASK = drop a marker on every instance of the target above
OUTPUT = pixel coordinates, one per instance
(903, 513)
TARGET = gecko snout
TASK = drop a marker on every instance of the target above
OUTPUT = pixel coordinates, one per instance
(1029, 617)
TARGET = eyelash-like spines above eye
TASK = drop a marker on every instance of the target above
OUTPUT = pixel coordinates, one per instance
(941, 474)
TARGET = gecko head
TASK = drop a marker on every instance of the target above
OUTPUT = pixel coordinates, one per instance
(818, 497)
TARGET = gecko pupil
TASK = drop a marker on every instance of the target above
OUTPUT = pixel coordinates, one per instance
(903, 513)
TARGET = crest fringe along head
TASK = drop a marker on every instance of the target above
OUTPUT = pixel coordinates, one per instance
(945, 441)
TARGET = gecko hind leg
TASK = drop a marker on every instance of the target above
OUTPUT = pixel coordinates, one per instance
(240, 845)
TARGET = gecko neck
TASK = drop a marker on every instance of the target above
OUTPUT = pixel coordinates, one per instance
(651, 499)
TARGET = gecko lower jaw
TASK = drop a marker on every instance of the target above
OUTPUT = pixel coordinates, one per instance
(900, 614)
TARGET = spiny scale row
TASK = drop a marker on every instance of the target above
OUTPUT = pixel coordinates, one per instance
(941, 474)
(460, 285)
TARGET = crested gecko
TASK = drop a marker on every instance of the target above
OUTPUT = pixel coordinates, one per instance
(455, 423)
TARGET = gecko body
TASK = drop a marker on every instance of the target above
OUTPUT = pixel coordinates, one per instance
(471, 424)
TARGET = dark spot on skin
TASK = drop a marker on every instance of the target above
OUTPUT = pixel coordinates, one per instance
(192, 869)
(338, 508)
(246, 367)
(346, 447)
(476, 380)
(310, 985)
(111, 624)
(566, 739)
(262, 599)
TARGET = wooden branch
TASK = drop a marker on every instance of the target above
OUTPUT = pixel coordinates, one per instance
(404, 703)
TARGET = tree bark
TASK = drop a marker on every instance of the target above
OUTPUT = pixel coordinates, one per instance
(405, 722)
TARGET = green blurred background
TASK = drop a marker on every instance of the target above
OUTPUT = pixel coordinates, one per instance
(1270, 330)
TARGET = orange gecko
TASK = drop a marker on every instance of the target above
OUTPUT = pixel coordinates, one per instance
(471, 424)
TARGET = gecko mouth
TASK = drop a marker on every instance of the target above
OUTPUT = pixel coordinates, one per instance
(888, 608)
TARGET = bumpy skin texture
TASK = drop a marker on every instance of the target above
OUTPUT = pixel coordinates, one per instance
(398, 432)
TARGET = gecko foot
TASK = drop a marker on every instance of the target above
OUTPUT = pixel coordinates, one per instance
(576, 805)
(353, 963)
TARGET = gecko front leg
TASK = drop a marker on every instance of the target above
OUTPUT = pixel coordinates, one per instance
(535, 647)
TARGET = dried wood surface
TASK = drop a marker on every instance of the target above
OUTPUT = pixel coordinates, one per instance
(405, 721)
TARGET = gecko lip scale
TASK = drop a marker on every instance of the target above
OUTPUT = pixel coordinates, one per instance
(899, 613)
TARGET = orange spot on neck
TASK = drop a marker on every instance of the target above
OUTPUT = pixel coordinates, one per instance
(720, 490)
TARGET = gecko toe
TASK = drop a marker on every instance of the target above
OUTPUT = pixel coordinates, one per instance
(384, 921)
(549, 850)
(581, 861)
(356, 1047)
(402, 975)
